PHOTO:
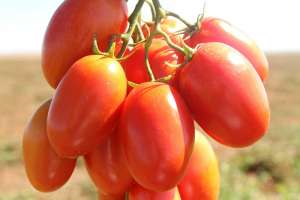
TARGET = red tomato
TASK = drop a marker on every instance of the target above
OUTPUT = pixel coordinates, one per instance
(225, 95)
(111, 197)
(139, 193)
(86, 105)
(157, 134)
(159, 54)
(106, 166)
(217, 30)
(70, 33)
(202, 178)
(45, 170)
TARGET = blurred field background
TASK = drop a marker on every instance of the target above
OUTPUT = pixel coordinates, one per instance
(268, 170)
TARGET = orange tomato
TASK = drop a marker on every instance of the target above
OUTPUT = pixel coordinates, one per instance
(45, 170)
(202, 177)
(86, 105)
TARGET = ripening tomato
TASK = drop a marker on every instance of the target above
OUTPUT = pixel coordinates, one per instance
(111, 197)
(70, 33)
(159, 54)
(201, 179)
(107, 168)
(86, 105)
(157, 134)
(139, 193)
(45, 170)
(225, 94)
(218, 30)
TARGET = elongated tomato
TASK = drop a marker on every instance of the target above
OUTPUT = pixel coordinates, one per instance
(201, 179)
(139, 193)
(86, 105)
(218, 30)
(157, 134)
(45, 170)
(226, 95)
(159, 54)
(107, 168)
(70, 33)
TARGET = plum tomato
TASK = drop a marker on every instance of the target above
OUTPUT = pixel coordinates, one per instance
(70, 33)
(225, 95)
(107, 168)
(45, 170)
(157, 134)
(86, 105)
(201, 179)
(218, 30)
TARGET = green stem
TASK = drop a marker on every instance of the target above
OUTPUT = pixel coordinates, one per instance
(150, 3)
(95, 47)
(172, 14)
(133, 20)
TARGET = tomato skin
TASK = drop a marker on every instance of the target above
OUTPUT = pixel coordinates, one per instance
(159, 54)
(86, 105)
(218, 30)
(45, 170)
(225, 95)
(201, 179)
(106, 166)
(111, 197)
(70, 33)
(157, 134)
(139, 193)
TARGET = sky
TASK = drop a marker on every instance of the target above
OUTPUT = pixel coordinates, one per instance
(273, 24)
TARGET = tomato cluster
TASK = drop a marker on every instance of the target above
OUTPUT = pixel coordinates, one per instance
(136, 134)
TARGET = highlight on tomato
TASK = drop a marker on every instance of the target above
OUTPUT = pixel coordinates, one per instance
(139, 193)
(217, 30)
(157, 135)
(86, 105)
(45, 170)
(202, 177)
(107, 168)
(225, 95)
(71, 30)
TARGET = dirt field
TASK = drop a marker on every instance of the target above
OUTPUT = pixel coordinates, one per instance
(268, 170)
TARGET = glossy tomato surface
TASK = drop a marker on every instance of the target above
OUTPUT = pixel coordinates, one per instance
(159, 54)
(107, 168)
(111, 197)
(226, 95)
(70, 33)
(157, 134)
(139, 193)
(86, 105)
(45, 170)
(202, 178)
(218, 30)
